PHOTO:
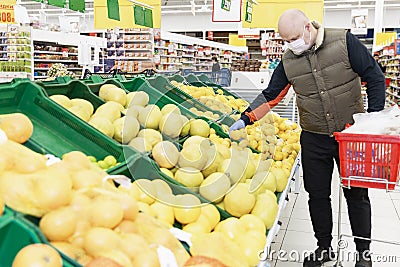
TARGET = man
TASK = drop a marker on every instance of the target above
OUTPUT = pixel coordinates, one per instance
(324, 66)
(215, 65)
(383, 68)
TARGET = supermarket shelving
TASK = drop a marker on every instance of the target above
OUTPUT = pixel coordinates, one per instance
(197, 52)
(393, 72)
(15, 52)
(129, 49)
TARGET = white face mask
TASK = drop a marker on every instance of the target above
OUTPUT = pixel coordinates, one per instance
(299, 46)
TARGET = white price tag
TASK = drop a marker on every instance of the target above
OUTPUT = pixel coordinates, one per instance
(171, 48)
(166, 257)
(182, 235)
(119, 179)
(3, 137)
(51, 159)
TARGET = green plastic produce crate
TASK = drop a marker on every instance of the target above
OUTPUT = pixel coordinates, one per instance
(55, 130)
(155, 96)
(157, 99)
(164, 86)
(7, 213)
(215, 87)
(94, 86)
(204, 78)
(16, 233)
(191, 78)
(178, 78)
(72, 89)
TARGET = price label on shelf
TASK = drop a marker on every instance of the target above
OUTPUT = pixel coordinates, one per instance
(171, 48)
(65, 52)
(7, 11)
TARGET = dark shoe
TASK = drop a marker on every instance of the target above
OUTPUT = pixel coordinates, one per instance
(319, 257)
(364, 259)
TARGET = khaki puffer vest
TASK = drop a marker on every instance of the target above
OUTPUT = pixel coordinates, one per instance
(328, 91)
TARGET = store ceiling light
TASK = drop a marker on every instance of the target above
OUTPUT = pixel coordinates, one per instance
(344, 5)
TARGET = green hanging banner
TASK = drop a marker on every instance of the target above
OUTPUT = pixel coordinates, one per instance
(139, 15)
(143, 16)
(249, 11)
(148, 18)
(77, 5)
(59, 3)
(113, 9)
(40, 1)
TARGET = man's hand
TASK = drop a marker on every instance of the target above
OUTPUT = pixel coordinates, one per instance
(237, 126)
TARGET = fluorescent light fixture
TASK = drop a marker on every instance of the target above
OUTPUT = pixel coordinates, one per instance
(344, 5)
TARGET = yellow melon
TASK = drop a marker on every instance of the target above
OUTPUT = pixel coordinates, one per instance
(139, 98)
(112, 93)
(215, 186)
(171, 124)
(62, 100)
(150, 117)
(165, 154)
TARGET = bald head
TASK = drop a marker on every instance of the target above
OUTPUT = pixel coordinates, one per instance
(291, 24)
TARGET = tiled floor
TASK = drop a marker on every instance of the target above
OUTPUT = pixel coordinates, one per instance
(296, 235)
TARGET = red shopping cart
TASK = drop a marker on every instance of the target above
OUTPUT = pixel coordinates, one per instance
(368, 161)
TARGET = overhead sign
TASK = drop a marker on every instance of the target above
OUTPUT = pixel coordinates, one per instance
(245, 33)
(227, 10)
(109, 14)
(7, 11)
(249, 11)
(385, 38)
(359, 21)
(266, 13)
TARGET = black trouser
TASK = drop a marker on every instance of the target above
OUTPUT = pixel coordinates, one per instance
(317, 154)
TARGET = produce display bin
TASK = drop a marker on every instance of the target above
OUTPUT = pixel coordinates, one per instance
(6, 213)
(178, 78)
(155, 96)
(94, 85)
(73, 89)
(16, 233)
(191, 78)
(55, 130)
(221, 77)
(204, 78)
(215, 87)
(164, 86)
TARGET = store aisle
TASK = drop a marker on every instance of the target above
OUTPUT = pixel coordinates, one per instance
(296, 237)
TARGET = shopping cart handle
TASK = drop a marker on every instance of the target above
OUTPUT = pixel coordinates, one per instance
(347, 125)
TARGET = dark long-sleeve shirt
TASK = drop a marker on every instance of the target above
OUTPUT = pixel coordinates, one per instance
(361, 62)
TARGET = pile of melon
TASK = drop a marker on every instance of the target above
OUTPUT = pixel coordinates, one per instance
(214, 100)
(272, 135)
(83, 215)
(87, 218)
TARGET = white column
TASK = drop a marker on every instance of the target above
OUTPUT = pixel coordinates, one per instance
(378, 25)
